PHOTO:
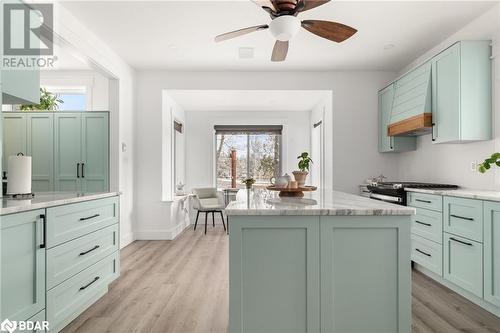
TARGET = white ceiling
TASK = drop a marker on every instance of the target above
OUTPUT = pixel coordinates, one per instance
(64, 59)
(248, 100)
(178, 35)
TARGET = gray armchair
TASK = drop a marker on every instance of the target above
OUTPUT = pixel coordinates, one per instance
(208, 200)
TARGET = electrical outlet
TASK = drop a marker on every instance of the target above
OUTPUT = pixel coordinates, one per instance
(474, 165)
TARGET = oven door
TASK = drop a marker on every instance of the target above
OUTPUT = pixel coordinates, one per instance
(387, 198)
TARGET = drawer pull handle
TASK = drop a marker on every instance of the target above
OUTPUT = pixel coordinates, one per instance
(425, 201)
(425, 254)
(89, 284)
(461, 217)
(89, 217)
(88, 251)
(461, 242)
(423, 223)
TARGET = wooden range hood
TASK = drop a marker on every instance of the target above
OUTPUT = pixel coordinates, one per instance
(416, 125)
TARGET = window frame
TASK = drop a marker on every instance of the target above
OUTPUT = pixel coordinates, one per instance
(248, 134)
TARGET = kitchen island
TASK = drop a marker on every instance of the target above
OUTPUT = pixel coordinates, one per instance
(316, 265)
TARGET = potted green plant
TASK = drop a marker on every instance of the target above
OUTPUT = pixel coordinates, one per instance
(486, 165)
(248, 182)
(48, 102)
(304, 163)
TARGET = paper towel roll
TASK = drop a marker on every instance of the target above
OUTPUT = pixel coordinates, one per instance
(19, 175)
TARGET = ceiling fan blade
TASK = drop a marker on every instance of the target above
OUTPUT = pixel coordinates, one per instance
(280, 51)
(310, 4)
(240, 32)
(333, 31)
(265, 4)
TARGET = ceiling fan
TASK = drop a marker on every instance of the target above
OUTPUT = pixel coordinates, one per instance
(285, 25)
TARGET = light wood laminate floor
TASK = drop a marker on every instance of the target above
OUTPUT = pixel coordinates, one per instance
(182, 286)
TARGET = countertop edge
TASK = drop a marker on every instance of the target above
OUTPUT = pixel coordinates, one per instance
(56, 202)
(487, 195)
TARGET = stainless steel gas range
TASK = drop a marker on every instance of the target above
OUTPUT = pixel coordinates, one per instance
(394, 192)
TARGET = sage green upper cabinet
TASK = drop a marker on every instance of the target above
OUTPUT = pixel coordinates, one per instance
(389, 143)
(492, 252)
(14, 136)
(40, 138)
(22, 265)
(94, 169)
(461, 93)
(81, 151)
(68, 151)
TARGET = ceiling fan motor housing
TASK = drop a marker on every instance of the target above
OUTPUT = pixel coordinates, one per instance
(284, 27)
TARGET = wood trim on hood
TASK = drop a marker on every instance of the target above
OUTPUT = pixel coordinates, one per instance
(418, 124)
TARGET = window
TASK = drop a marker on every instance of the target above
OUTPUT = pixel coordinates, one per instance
(73, 98)
(247, 152)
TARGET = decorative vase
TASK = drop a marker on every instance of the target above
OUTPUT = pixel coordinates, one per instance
(300, 177)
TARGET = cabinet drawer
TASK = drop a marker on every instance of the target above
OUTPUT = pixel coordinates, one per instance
(427, 253)
(428, 224)
(70, 258)
(463, 263)
(464, 217)
(68, 222)
(66, 301)
(427, 201)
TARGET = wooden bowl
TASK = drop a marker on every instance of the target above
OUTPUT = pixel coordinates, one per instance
(292, 192)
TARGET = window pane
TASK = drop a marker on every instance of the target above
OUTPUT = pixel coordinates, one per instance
(264, 157)
(257, 156)
(73, 102)
(225, 144)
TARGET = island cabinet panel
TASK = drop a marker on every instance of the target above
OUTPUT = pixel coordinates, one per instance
(274, 274)
(365, 274)
(22, 270)
(492, 252)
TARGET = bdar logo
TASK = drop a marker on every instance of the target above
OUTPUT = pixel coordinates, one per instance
(8, 326)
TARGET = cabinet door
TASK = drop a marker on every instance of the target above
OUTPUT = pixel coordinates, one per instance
(68, 151)
(492, 252)
(446, 95)
(386, 97)
(22, 265)
(274, 274)
(41, 149)
(95, 154)
(365, 273)
(463, 263)
(14, 136)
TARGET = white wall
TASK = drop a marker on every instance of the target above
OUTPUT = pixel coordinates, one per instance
(97, 85)
(451, 163)
(200, 139)
(71, 32)
(353, 139)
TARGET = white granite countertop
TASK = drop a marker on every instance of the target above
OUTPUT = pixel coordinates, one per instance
(462, 193)
(49, 199)
(263, 202)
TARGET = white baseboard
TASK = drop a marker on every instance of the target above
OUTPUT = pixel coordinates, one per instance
(161, 234)
(126, 239)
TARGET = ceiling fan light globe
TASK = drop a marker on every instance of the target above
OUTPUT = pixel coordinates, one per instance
(285, 27)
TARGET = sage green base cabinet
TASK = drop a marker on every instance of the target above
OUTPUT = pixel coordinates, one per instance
(470, 263)
(319, 274)
(48, 274)
(22, 265)
(492, 252)
(463, 263)
(69, 150)
(390, 143)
